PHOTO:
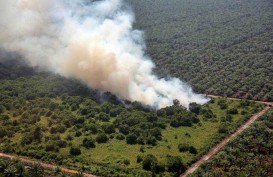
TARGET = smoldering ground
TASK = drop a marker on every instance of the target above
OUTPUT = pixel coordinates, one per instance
(92, 41)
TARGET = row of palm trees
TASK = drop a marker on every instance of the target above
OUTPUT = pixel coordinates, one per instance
(16, 168)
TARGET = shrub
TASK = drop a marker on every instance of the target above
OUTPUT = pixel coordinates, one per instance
(4, 117)
(175, 165)
(89, 143)
(75, 151)
(232, 111)
(50, 147)
(183, 147)
(61, 143)
(126, 162)
(109, 129)
(78, 134)
(131, 139)
(120, 137)
(102, 138)
(149, 162)
(192, 150)
(151, 140)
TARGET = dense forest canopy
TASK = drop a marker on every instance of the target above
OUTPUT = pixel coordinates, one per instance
(219, 46)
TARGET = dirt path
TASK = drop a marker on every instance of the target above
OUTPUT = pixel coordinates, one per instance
(45, 166)
(219, 146)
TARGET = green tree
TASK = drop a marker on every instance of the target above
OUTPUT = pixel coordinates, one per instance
(36, 170)
(75, 151)
(175, 164)
(149, 162)
(102, 138)
(89, 142)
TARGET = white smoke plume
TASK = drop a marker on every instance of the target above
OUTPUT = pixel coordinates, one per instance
(92, 41)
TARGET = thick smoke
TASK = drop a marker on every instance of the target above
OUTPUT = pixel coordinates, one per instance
(92, 41)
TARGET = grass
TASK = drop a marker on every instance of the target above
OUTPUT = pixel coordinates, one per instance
(201, 136)
(113, 153)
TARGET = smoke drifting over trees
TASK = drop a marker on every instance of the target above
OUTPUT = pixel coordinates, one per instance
(90, 41)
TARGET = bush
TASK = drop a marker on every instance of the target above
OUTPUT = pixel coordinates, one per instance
(109, 129)
(183, 147)
(223, 129)
(50, 147)
(3, 133)
(175, 165)
(2, 109)
(126, 162)
(75, 151)
(151, 140)
(149, 162)
(78, 134)
(131, 139)
(192, 150)
(103, 117)
(232, 111)
(91, 127)
(61, 143)
(89, 143)
(195, 108)
(4, 117)
(120, 137)
(102, 138)
(159, 168)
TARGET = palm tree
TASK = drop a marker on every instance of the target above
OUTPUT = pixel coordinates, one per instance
(57, 170)
(36, 170)
(20, 168)
(10, 171)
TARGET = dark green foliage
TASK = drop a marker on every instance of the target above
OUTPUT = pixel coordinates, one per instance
(89, 143)
(149, 162)
(102, 138)
(131, 139)
(126, 162)
(91, 127)
(78, 134)
(223, 129)
(183, 147)
(232, 111)
(4, 117)
(3, 133)
(2, 109)
(186, 147)
(192, 150)
(103, 117)
(61, 143)
(120, 137)
(108, 128)
(175, 164)
(37, 134)
(51, 147)
(75, 151)
(195, 108)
